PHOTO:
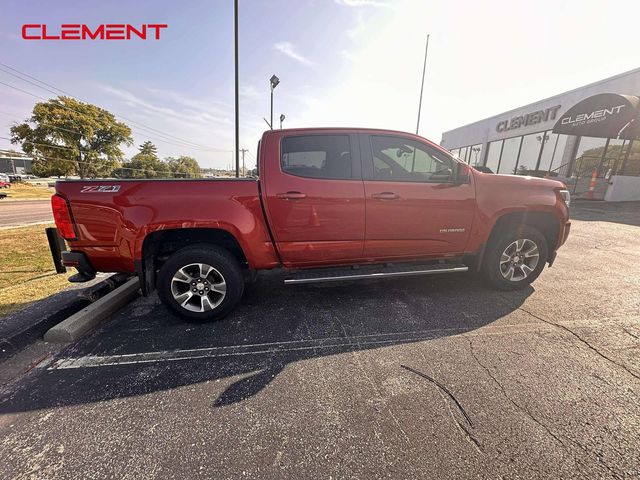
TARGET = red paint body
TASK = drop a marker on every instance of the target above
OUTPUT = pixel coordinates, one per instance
(314, 222)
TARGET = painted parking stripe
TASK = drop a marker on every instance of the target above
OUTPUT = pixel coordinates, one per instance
(359, 342)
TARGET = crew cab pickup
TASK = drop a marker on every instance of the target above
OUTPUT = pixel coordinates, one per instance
(329, 204)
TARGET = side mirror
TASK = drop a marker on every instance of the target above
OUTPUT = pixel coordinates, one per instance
(446, 175)
(461, 174)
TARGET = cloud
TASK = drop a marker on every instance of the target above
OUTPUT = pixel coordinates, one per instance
(289, 50)
(189, 128)
(347, 55)
(195, 112)
(359, 27)
(210, 105)
(363, 3)
(249, 91)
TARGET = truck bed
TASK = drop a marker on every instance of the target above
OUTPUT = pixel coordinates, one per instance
(113, 217)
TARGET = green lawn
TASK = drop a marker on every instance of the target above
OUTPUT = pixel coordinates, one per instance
(27, 191)
(27, 273)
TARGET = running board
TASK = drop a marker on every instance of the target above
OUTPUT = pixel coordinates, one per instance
(362, 273)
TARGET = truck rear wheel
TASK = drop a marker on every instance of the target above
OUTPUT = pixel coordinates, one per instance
(201, 282)
(515, 258)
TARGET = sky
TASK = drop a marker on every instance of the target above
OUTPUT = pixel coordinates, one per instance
(340, 63)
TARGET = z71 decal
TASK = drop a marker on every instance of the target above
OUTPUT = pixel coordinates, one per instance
(100, 189)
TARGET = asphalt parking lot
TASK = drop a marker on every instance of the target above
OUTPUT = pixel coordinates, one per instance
(432, 377)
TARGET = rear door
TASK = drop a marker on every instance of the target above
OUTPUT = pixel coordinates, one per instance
(413, 207)
(314, 197)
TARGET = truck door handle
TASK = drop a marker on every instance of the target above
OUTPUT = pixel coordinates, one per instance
(291, 195)
(385, 196)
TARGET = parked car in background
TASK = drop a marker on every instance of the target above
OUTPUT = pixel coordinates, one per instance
(329, 204)
(4, 184)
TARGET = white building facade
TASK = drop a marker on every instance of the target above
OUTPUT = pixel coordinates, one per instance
(521, 141)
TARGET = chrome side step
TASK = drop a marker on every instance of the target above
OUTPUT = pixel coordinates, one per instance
(362, 273)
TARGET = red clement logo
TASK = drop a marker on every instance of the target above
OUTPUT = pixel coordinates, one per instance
(79, 31)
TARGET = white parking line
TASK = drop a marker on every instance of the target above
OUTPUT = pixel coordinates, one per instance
(360, 341)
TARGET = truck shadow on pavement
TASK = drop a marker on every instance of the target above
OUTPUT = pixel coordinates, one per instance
(145, 348)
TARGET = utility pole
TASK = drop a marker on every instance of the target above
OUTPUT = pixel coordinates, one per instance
(244, 171)
(424, 69)
(235, 32)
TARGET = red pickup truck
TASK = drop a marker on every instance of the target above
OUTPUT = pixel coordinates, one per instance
(330, 204)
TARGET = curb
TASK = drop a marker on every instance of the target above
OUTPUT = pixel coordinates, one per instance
(19, 329)
(89, 317)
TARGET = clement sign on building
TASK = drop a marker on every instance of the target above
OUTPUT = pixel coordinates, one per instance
(80, 31)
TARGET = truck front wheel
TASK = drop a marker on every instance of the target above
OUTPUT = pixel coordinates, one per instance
(201, 282)
(515, 258)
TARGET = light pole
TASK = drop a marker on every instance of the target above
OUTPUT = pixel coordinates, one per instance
(424, 69)
(236, 92)
(273, 81)
(282, 117)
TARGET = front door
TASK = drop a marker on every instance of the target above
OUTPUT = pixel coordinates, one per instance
(413, 206)
(315, 199)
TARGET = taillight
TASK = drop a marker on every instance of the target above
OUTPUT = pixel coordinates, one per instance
(63, 218)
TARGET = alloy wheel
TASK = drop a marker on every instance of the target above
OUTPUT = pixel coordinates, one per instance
(198, 287)
(519, 259)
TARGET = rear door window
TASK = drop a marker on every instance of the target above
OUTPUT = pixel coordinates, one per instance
(317, 156)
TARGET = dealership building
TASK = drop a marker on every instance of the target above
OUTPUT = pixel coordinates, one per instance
(588, 137)
(13, 163)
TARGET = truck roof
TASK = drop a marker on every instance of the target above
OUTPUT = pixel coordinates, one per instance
(285, 131)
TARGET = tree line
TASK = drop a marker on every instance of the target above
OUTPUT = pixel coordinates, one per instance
(66, 137)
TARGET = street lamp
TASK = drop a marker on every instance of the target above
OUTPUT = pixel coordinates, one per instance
(273, 81)
(282, 117)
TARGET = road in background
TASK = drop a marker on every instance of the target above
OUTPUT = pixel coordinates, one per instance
(310, 381)
(14, 214)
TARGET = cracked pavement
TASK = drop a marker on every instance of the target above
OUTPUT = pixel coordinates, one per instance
(306, 381)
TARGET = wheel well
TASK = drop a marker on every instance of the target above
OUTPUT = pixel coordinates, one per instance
(546, 223)
(158, 246)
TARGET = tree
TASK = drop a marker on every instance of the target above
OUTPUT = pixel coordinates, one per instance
(66, 136)
(52, 168)
(148, 148)
(145, 164)
(184, 166)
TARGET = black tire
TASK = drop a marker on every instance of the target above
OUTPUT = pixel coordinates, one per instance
(492, 269)
(226, 269)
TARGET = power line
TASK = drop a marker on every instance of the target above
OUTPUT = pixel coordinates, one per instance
(66, 130)
(49, 124)
(47, 145)
(119, 168)
(145, 135)
(140, 125)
